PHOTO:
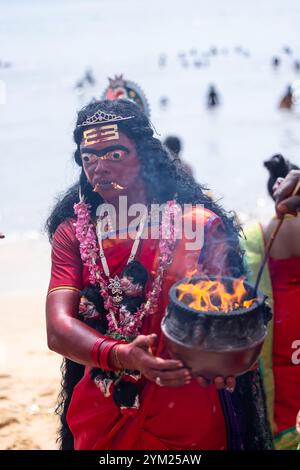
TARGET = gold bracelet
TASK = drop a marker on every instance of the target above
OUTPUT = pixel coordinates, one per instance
(116, 359)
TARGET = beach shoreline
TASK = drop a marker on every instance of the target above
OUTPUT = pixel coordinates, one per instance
(29, 371)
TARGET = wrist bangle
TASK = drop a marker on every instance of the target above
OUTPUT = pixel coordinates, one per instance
(95, 350)
(114, 358)
(104, 352)
(101, 351)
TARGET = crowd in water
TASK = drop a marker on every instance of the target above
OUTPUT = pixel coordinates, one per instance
(196, 59)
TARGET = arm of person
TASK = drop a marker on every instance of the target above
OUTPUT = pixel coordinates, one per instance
(70, 337)
(66, 334)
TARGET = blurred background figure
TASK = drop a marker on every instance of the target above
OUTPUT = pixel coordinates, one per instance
(287, 50)
(278, 167)
(297, 65)
(212, 97)
(162, 60)
(164, 102)
(2, 235)
(286, 101)
(121, 88)
(5, 64)
(275, 62)
(89, 77)
(79, 85)
(173, 144)
(198, 63)
(281, 283)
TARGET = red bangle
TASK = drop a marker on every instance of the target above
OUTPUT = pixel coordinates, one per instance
(101, 350)
(103, 353)
(95, 349)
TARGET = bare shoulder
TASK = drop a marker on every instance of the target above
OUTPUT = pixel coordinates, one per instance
(287, 242)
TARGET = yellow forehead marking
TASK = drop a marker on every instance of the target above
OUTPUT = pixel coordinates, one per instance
(110, 132)
(101, 134)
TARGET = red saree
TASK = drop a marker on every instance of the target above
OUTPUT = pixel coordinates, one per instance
(285, 275)
(188, 417)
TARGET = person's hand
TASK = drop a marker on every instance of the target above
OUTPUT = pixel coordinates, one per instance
(164, 372)
(282, 192)
(227, 383)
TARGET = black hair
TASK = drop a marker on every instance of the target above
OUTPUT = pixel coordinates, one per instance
(164, 177)
(278, 167)
(71, 373)
(173, 143)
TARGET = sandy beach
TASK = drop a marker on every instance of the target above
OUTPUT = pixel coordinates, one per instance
(29, 372)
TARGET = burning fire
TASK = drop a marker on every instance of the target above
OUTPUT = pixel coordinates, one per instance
(213, 296)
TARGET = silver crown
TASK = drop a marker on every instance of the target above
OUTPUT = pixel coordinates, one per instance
(101, 117)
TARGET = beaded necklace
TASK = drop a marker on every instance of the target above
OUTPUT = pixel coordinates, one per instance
(90, 254)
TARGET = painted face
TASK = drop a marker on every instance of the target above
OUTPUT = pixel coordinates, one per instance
(109, 160)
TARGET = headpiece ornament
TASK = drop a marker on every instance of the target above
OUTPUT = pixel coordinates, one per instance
(101, 117)
(119, 88)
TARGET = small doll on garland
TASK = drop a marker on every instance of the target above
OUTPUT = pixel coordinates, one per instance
(121, 384)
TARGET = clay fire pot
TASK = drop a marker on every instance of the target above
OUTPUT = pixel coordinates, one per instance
(215, 344)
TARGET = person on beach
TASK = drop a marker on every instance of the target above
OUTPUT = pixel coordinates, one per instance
(213, 99)
(120, 388)
(121, 88)
(286, 101)
(281, 283)
(173, 144)
(278, 167)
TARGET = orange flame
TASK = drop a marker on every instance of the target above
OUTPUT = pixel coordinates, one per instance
(213, 296)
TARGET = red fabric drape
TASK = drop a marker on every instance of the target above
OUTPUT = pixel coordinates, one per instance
(285, 275)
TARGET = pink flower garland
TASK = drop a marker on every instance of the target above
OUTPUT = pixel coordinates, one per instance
(89, 252)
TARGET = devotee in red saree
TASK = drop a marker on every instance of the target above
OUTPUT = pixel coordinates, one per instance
(175, 411)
